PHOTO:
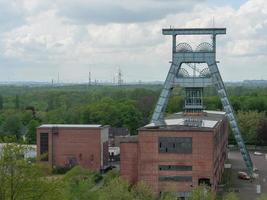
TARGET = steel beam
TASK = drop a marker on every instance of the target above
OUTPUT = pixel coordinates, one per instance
(193, 31)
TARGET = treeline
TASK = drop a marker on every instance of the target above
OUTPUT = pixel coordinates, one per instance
(22, 109)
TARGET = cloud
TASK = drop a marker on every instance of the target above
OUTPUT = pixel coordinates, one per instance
(73, 37)
(116, 11)
(11, 15)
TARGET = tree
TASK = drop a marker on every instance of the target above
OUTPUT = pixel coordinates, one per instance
(256, 103)
(212, 103)
(17, 102)
(262, 130)
(26, 117)
(143, 192)
(231, 196)
(114, 113)
(79, 183)
(202, 192)
(248, 124)
(21, 179)
(168, 196)
(129, 115)
(116, 189)
(31, 132)
(13, 126)
(1, 102)
(175, 104)
(110, 176)
(145, 102)
(51, 102)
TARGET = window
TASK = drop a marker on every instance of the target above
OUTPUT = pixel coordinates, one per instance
(175, 145)
(204, 181)
(176, 178)
(44, 146)
(175, 167)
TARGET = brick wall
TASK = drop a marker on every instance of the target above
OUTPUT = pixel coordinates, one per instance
(201, 159)
(75, 145)
(129, 161)
(140, 160)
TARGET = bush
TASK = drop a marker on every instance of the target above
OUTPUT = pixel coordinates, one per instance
(61, 170)
(78, 173)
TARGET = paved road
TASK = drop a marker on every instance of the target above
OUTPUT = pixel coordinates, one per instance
(247, 189)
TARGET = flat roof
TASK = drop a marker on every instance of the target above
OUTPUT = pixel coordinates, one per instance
(71, 126)
(193, 31)
(179, 120)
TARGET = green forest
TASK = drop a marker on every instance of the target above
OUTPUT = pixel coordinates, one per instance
(23, 108)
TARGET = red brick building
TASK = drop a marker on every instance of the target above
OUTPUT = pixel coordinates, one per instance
(179, 156)
(65, 145)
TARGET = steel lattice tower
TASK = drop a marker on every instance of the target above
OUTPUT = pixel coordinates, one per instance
(205, 53)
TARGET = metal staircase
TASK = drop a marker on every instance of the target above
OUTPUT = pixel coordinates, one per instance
(183, 53)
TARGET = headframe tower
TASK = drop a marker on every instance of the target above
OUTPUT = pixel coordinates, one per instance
(205, 53)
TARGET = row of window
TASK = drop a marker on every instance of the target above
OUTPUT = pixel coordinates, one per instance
(175, 145)
(176, 178)
(175, 168)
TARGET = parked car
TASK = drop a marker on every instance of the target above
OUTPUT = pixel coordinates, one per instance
(243, 175)
(256, 153)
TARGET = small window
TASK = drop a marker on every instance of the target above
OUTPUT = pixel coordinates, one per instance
(44, 146)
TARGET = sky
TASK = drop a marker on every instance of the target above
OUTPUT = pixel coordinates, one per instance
(40, 39)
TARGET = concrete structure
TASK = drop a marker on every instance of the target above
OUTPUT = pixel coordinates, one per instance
(177, 156)
(61, 145)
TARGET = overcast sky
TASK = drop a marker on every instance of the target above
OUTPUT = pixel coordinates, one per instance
(41, 38)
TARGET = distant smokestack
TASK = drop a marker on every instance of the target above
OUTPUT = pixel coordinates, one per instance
(89, 79)
(120, 81)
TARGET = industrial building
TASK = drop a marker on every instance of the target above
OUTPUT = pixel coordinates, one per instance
(66, 145)
(186, 149)
(176, 152)
(177, 156)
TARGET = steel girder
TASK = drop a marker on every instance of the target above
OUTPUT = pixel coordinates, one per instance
(200, 57)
